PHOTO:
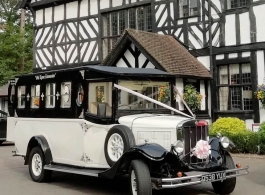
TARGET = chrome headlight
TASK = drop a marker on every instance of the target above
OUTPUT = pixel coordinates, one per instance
(179, 146)
(225, 142)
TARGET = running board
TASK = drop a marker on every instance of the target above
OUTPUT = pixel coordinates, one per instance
(80, 171)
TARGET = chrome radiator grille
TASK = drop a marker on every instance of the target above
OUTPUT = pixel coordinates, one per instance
(192, 134)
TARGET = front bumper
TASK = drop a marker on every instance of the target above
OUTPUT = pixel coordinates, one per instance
(199, 179)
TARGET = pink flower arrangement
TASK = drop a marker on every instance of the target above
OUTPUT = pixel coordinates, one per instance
(201, 150)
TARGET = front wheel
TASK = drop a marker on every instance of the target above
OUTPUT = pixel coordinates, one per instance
(227, 186)
(36, 166)
(140, 180)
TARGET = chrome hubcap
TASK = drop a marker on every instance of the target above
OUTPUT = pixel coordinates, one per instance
(115, 147)
(36, 164)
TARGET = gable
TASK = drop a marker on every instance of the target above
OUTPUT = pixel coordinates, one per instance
(133, 58)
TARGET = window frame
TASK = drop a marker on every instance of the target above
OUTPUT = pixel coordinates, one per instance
(69, 102)
(230, 86)
(189, 16)
(108, 39)
(54, 95)
(19, 97)
(238, 4)
(33, 96)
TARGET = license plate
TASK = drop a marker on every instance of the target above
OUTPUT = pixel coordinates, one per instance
(213, 176)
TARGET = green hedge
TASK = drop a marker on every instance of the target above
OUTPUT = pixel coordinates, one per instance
(246, 141)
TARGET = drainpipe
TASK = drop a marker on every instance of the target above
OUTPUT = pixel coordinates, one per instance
(211, 58)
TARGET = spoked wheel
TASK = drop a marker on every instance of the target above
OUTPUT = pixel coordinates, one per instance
(118, 140)
(227, 186)
(140, 180)
(36, 166)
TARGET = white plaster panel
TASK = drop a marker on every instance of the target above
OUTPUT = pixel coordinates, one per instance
(73, 30)
(172, 11)
(220, 57)
(95, 55)
(164, 16)
(142, 60)
(205, 60)
(179, 86)
(180, 22)
(72, 48)
(71, 10)
(230, 30)
(59, 34)
(216, 39)
(39, 64)
(95, 25)
(93, 7)
(194, 19)
(202, 92)
(194, 41)
(84, 7)
(177, 32)
(133, 1)
(104, 4)
(181, 38)
(217, 3)
(116, 3)
(57, 58)
(214, 14)
(130, 58)
(260, 18)
(150, 65)
(58, 13)
(48, 15)
(39, 17)
(121, 63)
(232, 55)
(42, 57)
(197, 32)
(246, 54)
(244, 28)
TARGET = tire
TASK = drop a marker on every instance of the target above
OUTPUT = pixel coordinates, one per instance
(38, 174)
(228, 185)
(123, 139)
(140, 180)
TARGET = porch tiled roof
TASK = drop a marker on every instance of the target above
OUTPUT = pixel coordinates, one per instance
(167, 52)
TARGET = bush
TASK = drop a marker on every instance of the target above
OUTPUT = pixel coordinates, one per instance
(261, 133)
(228, 126)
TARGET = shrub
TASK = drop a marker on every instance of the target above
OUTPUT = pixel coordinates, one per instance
(228, 126)
(261, 133)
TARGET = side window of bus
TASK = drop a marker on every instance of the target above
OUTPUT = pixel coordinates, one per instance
(80, 95)
(21, 94)
(50, 95)
(35, 96)
(98, 93)
(66, 95)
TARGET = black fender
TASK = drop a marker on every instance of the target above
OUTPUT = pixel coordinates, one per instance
(149, 152)
(39, 140)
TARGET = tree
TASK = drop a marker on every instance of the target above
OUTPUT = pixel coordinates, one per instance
(15, 44)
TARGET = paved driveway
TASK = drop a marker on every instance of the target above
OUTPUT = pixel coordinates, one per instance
(15, 180)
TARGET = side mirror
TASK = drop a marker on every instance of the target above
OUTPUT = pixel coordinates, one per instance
(101, 110)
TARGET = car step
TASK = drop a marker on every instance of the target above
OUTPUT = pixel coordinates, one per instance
(80, 171)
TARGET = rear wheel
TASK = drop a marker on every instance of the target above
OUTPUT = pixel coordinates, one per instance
(36, 166)
(140, 180)
(227, 186)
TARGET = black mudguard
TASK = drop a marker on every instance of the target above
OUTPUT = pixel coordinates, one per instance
(147, 152)
(40, 141)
